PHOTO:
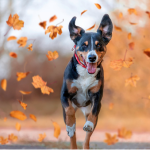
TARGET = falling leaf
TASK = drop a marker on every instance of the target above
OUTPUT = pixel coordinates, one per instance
(30, 47)
(90, 28)
(33, 117)
(24, 105)
(18, 115)
(5, 119)
(132, 11)
(53, 18)
(132, 23)
(57, 130)
(21, 75)
(41, 137)
(22, 41)
(12, 138)
(132, 81)
(117, 28)
(83, 12)
(3, 140)
(46, 90)
(12, 54)
(4, 84)
(25, 92)
(11, 38)
(147, 52)
(15, 22)
(18, 126)
(110, 140)
(53, 30)
(98, 5)
(120, 15)
(131, 45)
(43, 24)
(124, 133)
(52, 55)
(128, 62)
(111, 105)
(148, 13)
(129, 36)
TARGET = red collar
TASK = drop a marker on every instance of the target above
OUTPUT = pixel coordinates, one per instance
(77, 58)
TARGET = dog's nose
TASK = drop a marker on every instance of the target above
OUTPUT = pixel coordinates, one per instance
(92, 58)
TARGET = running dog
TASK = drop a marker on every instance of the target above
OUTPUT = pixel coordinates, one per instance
(84, 78)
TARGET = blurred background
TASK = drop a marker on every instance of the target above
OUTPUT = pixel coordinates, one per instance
(122, 106)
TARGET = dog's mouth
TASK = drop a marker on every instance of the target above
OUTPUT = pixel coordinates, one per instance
(91, 67)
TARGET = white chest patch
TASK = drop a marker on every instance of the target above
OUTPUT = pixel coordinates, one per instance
(84, 82)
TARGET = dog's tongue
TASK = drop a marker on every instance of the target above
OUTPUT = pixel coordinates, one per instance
(91, 67)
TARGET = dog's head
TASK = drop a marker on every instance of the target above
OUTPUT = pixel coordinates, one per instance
(91, 47)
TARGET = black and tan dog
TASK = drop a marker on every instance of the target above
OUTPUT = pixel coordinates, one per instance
(84, 78)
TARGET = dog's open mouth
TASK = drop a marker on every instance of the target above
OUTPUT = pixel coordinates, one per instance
(91, 67)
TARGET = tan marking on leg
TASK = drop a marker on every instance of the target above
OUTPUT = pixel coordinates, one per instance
(92, 118)
(71, 89)
(96, 42)
(86, 42)
(96, 88)
(87, 140)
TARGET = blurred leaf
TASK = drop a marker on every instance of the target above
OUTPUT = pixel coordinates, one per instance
(18, 126)
(83, 12)
(116, 64)
(132, 23)
(117, 28)
(24, 105)
(22, 41)
(148, 13)
(132, 81)
(120, 15)
(129, 36)
(147, 52)
(3, 140)
(18, 115)
(98, 5)
(11, 38)
(128, 62)
(53, 18)
(41, 137)
(132, 11)
(4, 84)
(124, 133)
(25, 92)
(43, 24)
(33, 117)
(90, 28)
(12, 138)
(57, 130)
(46, 90)
(111, 105)
(52, 55)
(5, 119)
(12, 54)
(131, 45)
(110, 140)
(30, 47)
(21, 75)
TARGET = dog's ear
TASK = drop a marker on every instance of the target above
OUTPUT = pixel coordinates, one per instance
(105, 28)
(75, 31)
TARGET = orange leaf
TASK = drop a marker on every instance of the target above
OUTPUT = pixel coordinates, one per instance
(128, 62)
(3, 140)
(90, 28)
(116, 64)
(129, 36)
(53, 18)
(83, 12)
(38, 82)
(18, 115)
(22, 41)
(21, 75)
(57, 130)
(33, 117)
(4, 84)
(12, 138)
(147, 52)
(41, 137)
(111, 105)
(25, 92)
(5, 119)
(23, 104)
(131, 45)
(15, 22)
(12, 54)
(110, 140)
(98, 5)
(52, 55)
(46, 90)
(43, 24)
(148, 13)
(117, 28)
(11, 38)
(18, 126)
(132, 23)
(30, 47)
(132, 11)
(132, 81)
(120, 15)
(123, 133)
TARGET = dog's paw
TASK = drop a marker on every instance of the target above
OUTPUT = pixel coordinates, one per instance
(71, 130)
(89, 126)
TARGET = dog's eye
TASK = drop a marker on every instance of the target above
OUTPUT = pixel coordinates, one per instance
(98, 45)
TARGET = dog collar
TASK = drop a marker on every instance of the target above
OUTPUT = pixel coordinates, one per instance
(77, 58)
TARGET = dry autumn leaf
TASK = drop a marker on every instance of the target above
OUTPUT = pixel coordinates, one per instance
(148, 13)
(12, 54)
(117, 28)
(15, 22)
(98, 5)
(131, 45)
(22, 41)
(21, 75)
(147, 52)
(57, 130)
(53, 18)
(83, 12)
(11, 38)
(110, 140)
(30, 47)
(132, 11)
(43, 24)
(124, 133)
(18, 115)
(33, 117)
(41, 137)
(133, 23)
(132, 81)
(129, 36)
(120, 15)
(24, 105)
(4, 84)
(91, 28)
(3, 140)
(128, 62)
(25, 92)
(12, 138)
(5, 119)
(18, 126)
(46, 90)
(52, 55)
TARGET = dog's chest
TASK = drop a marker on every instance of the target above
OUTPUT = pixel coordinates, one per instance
(84, 82)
